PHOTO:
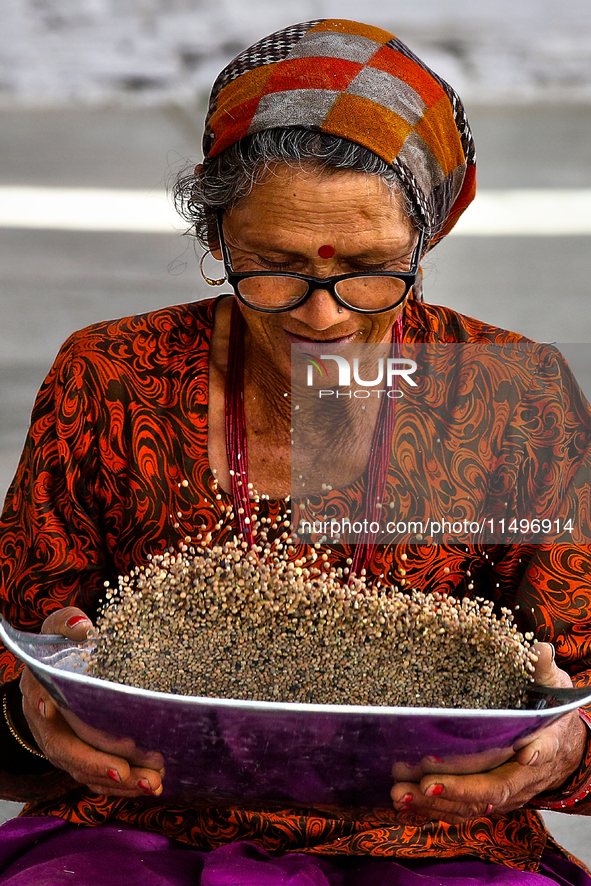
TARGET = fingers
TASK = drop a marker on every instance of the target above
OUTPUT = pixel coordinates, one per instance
(140, 782)
(542, 765)
(459, 764)
(102, 772)
(431, 804)
(546, 670)
(458, 798)
(406, 772)
(542, 750)
(69, 622)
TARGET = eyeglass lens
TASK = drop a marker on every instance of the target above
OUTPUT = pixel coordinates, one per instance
(366, 293)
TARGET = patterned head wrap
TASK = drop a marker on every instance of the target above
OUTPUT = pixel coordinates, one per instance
(360, 83)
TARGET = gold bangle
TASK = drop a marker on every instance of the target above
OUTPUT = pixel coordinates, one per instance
(15, 734)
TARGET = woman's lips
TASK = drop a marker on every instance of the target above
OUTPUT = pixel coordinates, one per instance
(320, 346)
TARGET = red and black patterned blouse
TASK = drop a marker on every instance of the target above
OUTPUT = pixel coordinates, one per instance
(121, 422)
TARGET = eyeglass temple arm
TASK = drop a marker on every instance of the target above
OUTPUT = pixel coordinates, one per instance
(419, 248)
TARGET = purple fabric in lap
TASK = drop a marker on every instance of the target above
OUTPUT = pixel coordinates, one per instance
(51, 852)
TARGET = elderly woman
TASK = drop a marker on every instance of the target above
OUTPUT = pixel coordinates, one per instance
(333, 159)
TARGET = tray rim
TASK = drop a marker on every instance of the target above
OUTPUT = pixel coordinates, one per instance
(10, 637)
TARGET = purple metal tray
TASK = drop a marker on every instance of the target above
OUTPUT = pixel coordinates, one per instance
(226, 750)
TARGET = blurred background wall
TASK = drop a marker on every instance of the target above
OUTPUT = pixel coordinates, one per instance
(57, 52)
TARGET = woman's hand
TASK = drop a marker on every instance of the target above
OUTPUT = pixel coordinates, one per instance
(543, 764)
(105, 773)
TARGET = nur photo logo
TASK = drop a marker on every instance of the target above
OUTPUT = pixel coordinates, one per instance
(388, 372)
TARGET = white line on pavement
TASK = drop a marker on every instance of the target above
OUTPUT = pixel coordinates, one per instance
(527, 212)
(88, 209)
(521, 212)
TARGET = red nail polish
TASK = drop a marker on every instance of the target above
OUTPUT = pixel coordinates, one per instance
(408, 798)
(434, 791)
(75, 620)
(112, 773)
(145, 786)
(435, 759)
(41, 707)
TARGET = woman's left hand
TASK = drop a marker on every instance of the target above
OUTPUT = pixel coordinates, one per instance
(542, 765)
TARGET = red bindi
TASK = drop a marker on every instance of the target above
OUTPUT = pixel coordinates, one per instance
(326, 251)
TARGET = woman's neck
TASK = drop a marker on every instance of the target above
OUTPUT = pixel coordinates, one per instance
(278, 446)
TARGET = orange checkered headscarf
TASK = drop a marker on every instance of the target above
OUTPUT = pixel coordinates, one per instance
(362, 84)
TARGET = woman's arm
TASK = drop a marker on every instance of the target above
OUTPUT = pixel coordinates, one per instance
(120, 420)
(53, 554)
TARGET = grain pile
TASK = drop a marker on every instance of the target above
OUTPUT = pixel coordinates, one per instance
(230, 623)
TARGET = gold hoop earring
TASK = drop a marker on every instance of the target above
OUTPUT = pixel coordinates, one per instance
(207, 279)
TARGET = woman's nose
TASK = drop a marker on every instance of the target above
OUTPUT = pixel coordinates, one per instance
(320, 311)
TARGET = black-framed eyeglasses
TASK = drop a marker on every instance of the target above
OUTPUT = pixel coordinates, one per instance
(366, 292)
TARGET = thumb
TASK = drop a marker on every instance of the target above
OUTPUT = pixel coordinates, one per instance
(546, 673)
(69, 622)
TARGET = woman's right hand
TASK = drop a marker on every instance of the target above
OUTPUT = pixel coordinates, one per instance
(104, 773)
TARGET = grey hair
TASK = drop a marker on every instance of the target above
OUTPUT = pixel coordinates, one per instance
(230, 176)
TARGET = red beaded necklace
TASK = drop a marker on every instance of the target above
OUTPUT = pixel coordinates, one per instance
(236, 451)
(236, 425)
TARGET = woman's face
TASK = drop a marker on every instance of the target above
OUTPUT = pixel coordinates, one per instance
(283, 224)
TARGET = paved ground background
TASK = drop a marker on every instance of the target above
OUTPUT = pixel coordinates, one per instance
(52, 282)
